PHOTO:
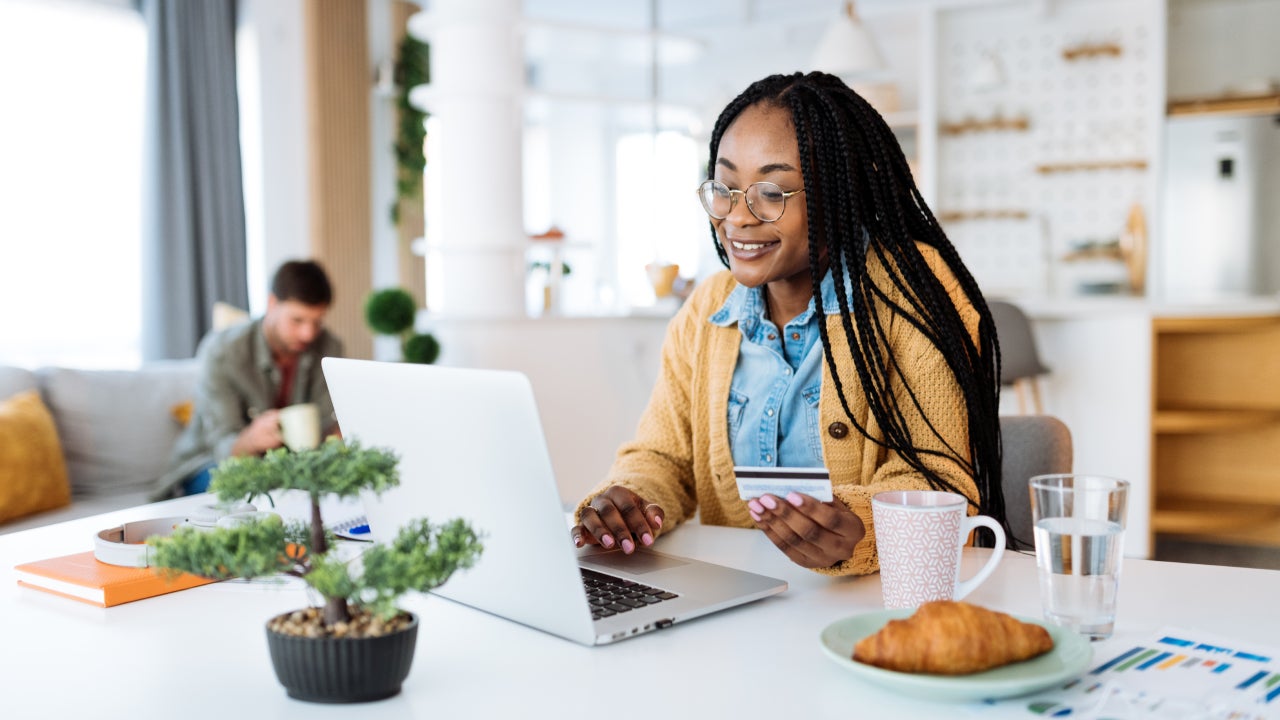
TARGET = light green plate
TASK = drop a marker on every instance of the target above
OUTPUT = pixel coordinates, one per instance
(1070, 656)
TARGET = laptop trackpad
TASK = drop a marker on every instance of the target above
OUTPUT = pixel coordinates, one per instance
(636, 564)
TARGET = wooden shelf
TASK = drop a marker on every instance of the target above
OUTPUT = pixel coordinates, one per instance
(989, 214)
(994, 124)
(1131, 164)
(1175, 422)
(1084, 51)
(1197, 516)
(1227, 104)
(1215, 324)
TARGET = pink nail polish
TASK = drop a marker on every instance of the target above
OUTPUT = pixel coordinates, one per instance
(647, 539)
(768, 501)
(657, 520)
(578, 541)
(754, 516)
(754, 507)
(628, 546)
(794, 499)
(606, 540)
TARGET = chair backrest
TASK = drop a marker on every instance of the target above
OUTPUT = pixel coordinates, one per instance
(1032, 445)
(1018, 355)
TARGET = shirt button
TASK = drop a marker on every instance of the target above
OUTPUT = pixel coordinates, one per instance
(795, 336)
(837, 430)
(786, 371)
(772, 336)
(769, 412)
(768, 458)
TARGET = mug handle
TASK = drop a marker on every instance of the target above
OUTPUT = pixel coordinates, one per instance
(965, 587)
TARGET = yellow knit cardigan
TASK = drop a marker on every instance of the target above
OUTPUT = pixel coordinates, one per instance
(681, 457)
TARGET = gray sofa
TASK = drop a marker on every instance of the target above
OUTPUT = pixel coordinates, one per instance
(116, 428)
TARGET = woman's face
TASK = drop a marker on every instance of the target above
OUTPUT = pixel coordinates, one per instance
(760, 145)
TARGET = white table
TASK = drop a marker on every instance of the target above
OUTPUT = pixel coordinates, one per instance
(201, 653)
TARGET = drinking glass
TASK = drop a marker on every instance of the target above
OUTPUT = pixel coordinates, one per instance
(1079, 531)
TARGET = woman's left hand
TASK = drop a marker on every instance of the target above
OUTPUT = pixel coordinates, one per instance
(813, 534)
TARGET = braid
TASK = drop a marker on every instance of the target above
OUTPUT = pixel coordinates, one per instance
(864, 207)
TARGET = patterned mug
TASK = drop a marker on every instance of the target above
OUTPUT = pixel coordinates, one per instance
(919, 537)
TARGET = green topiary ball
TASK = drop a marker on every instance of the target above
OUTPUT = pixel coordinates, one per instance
(421, 348)
(390, 311)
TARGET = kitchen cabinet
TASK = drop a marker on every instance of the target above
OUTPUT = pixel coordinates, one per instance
(1216, 428)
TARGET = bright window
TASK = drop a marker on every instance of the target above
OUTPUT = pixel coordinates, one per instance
(71, 182)
(659, 218)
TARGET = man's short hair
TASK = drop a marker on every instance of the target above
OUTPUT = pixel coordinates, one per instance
(304, 281)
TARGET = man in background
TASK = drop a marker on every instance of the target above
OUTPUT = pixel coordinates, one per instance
(250, 371)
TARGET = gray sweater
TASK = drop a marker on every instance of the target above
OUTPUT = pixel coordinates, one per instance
(239, 379)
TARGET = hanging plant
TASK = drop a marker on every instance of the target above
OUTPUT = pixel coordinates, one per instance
(413, 68)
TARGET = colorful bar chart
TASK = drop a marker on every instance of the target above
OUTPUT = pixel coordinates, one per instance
(1174, 673)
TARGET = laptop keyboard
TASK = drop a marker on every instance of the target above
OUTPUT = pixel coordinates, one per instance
(611, 595)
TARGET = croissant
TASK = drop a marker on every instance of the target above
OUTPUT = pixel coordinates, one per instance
(952, 638)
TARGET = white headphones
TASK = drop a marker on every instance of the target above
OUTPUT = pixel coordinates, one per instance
(126, 545)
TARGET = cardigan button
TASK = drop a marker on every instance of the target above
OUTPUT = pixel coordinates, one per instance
(838, 430)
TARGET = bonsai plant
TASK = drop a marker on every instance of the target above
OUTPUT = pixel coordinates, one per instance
(391, 311)
(359, 621)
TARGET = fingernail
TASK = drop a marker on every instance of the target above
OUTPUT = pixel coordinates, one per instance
(754, 507)
(657, 520)
(794, 499)
(768, 501)
(578, 541)
(647, 539)
(606, 540)
(754, 516)
(628, 546)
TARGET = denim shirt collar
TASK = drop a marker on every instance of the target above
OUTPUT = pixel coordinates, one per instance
(745, 306)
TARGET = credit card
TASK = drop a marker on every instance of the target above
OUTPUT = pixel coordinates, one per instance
(756, 481)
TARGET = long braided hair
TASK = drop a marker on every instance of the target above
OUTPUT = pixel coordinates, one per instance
(863, 204)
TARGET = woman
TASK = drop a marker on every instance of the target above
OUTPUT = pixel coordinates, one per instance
(846, 334)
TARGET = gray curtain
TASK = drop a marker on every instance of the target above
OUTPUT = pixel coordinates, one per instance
(193, 207)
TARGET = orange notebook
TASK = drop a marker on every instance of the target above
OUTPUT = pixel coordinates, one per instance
(82, 577)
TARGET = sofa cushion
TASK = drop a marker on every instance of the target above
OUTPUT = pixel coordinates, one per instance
(116, 426)
(33, 476)
(14, 380)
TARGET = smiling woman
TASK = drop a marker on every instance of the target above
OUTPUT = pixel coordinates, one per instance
(71, 182)
(845, 335)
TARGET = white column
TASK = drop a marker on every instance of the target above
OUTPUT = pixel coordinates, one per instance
(475, 234)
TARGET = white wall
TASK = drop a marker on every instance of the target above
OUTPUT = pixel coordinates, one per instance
(274, 138)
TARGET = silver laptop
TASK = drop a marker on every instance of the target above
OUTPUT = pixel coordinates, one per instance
(471, 446)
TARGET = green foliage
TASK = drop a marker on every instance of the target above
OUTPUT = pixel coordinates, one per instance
(421, 557)
(335, 468)
(545, 266)
(413, 68)
(390, 311)
(421, 348)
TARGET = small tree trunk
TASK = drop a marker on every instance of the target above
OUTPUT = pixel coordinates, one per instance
(318, 544)
(336, 611)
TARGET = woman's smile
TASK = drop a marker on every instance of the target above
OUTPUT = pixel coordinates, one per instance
(751, 249)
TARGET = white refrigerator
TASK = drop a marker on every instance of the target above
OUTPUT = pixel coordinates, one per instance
(1221, 208)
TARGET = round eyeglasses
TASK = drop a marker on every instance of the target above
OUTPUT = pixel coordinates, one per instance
(765, 200)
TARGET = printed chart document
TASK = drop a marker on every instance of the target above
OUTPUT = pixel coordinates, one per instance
(1175, 673)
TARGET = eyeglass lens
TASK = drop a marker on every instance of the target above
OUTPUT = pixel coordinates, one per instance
(765, 200)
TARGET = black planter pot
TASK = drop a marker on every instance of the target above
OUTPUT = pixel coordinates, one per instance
(343, 670)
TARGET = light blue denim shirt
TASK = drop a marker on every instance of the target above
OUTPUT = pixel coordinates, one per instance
(773, 398)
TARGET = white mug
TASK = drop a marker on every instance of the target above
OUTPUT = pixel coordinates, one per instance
(300, 426)
(919, 538)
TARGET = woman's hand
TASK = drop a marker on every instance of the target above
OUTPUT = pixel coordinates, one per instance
(813, 534)
(618, 517)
